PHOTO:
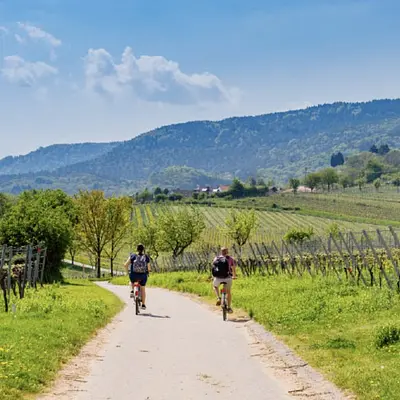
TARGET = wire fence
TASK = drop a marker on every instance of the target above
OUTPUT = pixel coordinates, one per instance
(20, 267)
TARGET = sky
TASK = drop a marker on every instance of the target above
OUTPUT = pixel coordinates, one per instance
(96, 71)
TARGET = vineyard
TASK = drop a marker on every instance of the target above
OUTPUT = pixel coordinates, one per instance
(272, 225)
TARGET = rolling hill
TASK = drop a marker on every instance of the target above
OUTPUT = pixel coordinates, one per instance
(278, 146)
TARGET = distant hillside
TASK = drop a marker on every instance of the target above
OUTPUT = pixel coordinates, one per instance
(277, 146)
(53, 157)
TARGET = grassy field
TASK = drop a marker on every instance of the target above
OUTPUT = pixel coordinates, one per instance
(335, 327)
(49, 327)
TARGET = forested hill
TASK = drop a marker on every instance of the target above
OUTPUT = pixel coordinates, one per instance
(278, 145)
(282, 143)
(53, 157)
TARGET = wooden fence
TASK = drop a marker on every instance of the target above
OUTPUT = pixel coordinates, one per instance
(20, 267)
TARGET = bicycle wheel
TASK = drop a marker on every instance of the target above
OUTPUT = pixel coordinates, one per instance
(137, 304)
(224, 307)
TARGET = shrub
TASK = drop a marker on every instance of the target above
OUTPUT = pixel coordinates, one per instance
(386, 336)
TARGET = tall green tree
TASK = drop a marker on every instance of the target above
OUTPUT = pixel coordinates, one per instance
(118, 227)
(180, 228)
(94, 224)
(329, 177)
(312, 180)
(149, 235)
(294, 184)
(237, 188)
(240, 225)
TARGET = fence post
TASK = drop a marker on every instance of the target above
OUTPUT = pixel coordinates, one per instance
(36, 270)
(9, 272)
(43, 267)
(3, 255)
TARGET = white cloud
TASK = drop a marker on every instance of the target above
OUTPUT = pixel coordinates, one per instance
(25, 73)
(152, 78)
(19, 39)
(4, 30)
(36, 33)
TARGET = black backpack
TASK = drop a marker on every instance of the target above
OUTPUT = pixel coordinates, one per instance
(220, 268)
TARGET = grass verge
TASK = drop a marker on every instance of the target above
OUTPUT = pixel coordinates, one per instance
(335, 327)
(49, 327)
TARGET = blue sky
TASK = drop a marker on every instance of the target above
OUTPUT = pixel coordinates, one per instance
(74, 71)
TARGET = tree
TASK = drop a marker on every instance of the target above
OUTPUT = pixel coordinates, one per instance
(166, 191)
(294, 184)
(383, 149)
(145, 196)
(329, 177)
(261, 182)
(94, 224)
(5, 203)
(396, 181)
(41, 217)
(251, 181)
(118, 226)
(149, 236)
(179, 229)
(361, 182)
(237, 188)
(373, 149)
(312, 180)
(377, 184)
(157, 191)
(74, 245)
(374, 170)
(240, 225)
(337, 159)
(346, 181)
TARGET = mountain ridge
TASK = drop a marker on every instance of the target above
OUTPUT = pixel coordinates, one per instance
(275, 145)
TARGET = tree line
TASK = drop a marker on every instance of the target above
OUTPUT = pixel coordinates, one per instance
(100, 226)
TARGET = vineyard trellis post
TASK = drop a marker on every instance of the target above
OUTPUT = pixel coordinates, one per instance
(390, 256)
(43, 267)
(353, 259)
(395, 237)
(378, 261)
(363, 258)
(346, 261)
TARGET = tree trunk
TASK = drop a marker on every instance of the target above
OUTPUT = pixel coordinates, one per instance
(98, 265)
(112, 266)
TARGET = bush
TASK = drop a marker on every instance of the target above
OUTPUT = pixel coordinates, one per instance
(41, 218)
(386, 336)
(161, 197)
(295, 235)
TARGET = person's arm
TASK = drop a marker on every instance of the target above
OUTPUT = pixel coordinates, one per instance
(148, 264)
(127, 264)
(233, 269)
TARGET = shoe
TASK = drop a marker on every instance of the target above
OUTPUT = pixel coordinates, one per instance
(132, 294)
(218, 302)
(143, 306)
(230, 311)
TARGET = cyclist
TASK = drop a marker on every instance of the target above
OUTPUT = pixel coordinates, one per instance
(229, 272)
(139, 268)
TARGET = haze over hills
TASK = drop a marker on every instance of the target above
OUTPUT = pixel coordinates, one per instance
(278, 146)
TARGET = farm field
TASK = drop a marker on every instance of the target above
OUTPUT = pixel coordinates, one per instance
(373, 208)
(273, 225)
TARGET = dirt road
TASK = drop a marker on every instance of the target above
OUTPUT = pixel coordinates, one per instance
(177, 349)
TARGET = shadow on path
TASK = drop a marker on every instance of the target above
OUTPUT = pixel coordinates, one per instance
(155, 316)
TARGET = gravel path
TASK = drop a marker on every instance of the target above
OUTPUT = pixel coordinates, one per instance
(180, 349)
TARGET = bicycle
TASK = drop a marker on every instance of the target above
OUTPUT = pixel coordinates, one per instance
(137, 296)
(224, 301)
